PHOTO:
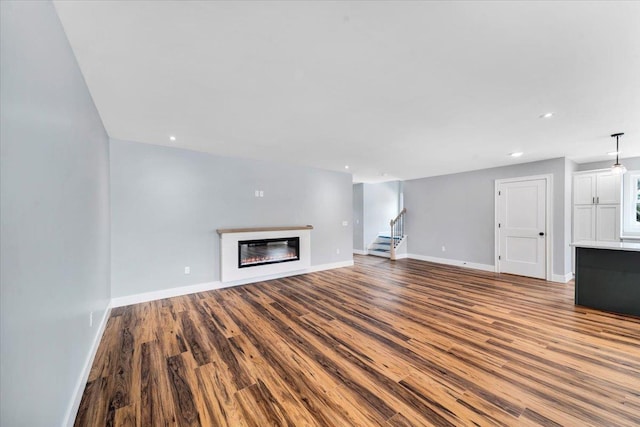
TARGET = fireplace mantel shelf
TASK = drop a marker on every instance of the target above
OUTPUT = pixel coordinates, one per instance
(255, 229)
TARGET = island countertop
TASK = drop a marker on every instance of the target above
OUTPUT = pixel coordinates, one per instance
(618, 246)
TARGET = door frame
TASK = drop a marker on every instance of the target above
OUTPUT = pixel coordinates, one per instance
(548, 220)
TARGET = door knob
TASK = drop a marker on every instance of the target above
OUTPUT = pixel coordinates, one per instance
(541, 233)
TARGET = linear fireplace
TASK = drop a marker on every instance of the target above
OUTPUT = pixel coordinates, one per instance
(252, 253)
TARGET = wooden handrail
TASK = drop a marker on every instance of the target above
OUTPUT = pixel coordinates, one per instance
(402, 212)
(397, 232)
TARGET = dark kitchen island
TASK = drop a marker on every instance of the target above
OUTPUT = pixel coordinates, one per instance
(608, 276)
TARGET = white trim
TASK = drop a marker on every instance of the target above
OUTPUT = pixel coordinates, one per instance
(559, 278)
(202, 287)
(447, 261)
(548, 220)
(402, 256)
(72, 410)
(360, 252)
(166, 293)
(329, 266)
(591, 171)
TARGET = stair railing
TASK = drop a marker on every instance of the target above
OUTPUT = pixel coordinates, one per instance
(397, 232)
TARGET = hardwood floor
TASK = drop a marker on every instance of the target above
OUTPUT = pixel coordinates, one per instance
(404, 343)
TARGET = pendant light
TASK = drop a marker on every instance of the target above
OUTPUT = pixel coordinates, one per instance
(617, 168)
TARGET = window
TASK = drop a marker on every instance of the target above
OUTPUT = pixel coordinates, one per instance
(631, 205)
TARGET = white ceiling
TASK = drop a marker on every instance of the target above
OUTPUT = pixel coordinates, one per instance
(408, 89)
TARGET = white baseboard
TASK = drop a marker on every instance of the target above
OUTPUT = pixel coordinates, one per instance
(561, 278)
(329, 266)
(402, 256)
(458, 263)
(360, 252)
(165, 293)
(208, 286)
(72, 410)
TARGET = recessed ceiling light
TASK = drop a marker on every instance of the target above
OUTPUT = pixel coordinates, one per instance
(172, 138)
(346, 166)
(516, 154)
(613, 153)
(546, 115)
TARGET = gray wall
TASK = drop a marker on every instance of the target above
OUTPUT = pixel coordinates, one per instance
(381, 205)
(167, 203)
(632, 163)
(570, 168)
(55, 217)
(457, 211)
(358, 217)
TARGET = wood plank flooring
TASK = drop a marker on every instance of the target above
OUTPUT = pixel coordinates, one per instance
(404, 343)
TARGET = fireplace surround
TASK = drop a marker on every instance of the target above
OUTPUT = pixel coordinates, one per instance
(247, 254)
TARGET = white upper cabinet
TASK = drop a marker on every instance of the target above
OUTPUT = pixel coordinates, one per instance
(584, 189)
(596, 188)
(596, 206)
(608, 188)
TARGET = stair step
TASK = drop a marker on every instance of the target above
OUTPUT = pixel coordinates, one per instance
(380, 253)
(382, 236)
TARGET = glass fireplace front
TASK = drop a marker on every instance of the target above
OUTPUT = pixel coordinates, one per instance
(268, 251)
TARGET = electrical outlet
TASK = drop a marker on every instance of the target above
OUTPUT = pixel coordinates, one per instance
(91, 319)
(257, 193)
(338, 251)
(187, 270)
(261, 193)
(444, 249)
(345, 223)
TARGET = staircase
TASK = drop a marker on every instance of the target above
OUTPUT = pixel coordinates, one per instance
(388, 245)
(381, 246)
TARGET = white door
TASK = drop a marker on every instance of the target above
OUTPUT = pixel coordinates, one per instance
(584, 222)
(584, 189)
(608, 188)
(608, 223)
(522, 228)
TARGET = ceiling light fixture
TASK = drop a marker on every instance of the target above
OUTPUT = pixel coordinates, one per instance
(516, 154)
(617, 167)
(346, 166)
(172, 138)
(546, 115)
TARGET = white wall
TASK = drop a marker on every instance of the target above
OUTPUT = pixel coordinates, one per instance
(381, 204)
(54, 198)
(167, 203)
